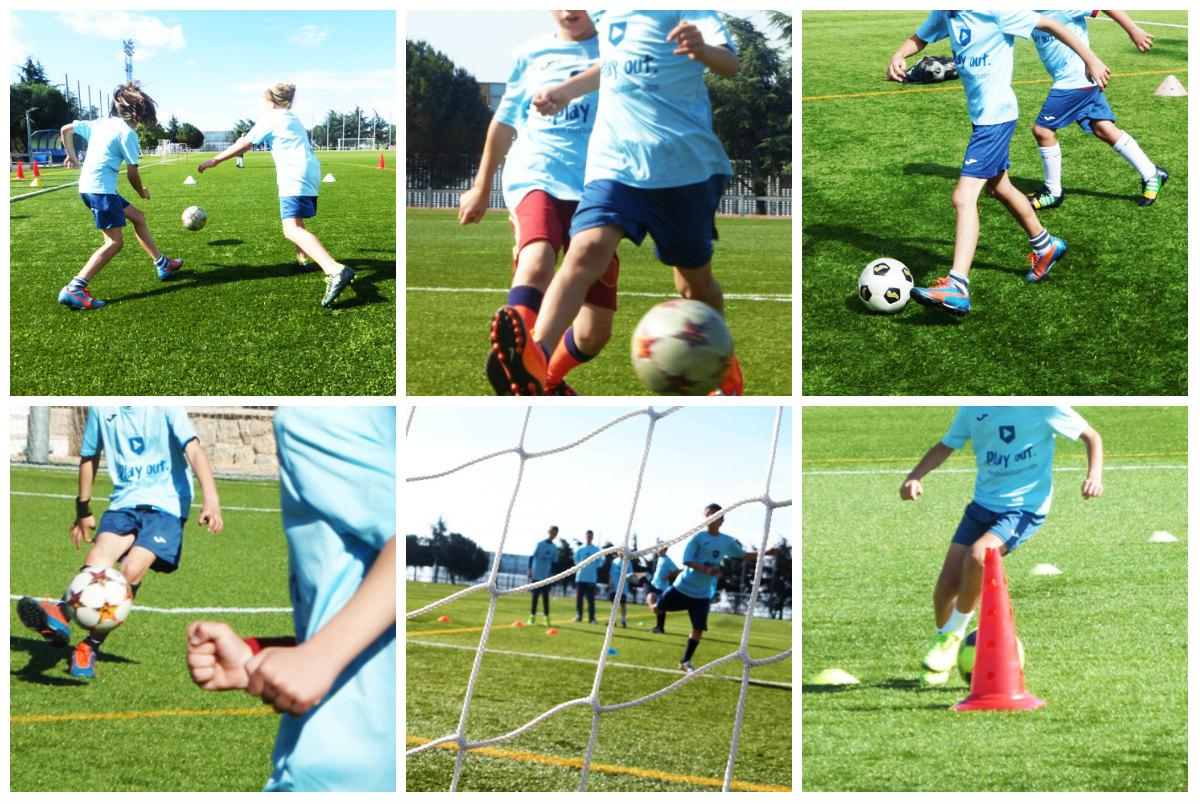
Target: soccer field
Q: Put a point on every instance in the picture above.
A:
(879, 164)
(141, 724)
(458, 276)
(241, 318)
(677, 742)
(1105, 641)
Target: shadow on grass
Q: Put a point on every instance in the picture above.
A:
(1026, 186)
(232, 241)
(45, 658)
(922, 317)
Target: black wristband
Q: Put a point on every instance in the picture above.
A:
(83, 508)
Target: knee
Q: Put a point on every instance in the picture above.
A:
(592, 338)
(695, 284)
(589, 256)
(1043, 135)
(536, 263)
(962, 200)
(974, 559)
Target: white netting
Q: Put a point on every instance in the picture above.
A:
(459, 737)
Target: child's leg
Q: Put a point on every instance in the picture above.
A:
(701, 285)
(136, 564)
(114, 241)
(142, 231)
(590, 331)
(535, 265)
(971, 578)
(1051, 154)
(1001, 188)
(306, 241)
(966, 234)
(587, 259)
(107, 548)
(1126, 146)
(945, 591)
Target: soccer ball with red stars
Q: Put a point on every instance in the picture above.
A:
(682, 347)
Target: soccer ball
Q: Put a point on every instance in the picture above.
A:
(884, 285)
(937, 70)
(682, 347)
(99, 599)
(966, 656)
(194, 218)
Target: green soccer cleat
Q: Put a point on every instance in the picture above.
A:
(932, 679)
(1044, 199)
(1151, 187)
(943, 653)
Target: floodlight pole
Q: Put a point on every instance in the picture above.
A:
(127, 45)
(29, 131)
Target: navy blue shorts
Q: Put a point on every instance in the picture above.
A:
(612, 593)
(987, 151)
(154, 529)
(682, 220)
(1013, 527)
(1083, 106)
(297, 206)
(697, 607)
(107, 208)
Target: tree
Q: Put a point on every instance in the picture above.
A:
(149, 136)
(240, 128)
(417, 552)
(446, 116)
(53, 110)
(189, 135)
(32, 72)
(461, 557)
(172, 129)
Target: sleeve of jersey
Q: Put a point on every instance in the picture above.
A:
(181, 426)
(933, 28)
(711, 28)
(130, 148)
(734, 549)
(83, 128)
(90, 446)
(1066, 422)
(514, 106)
(1018, 23)
(958, 434)
(259, 132)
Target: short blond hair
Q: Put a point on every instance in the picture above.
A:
(281, 95)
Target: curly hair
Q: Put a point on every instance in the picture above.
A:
(281, 95)
(133, 105)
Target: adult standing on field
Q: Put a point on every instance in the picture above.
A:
(541, 567)
(585, 579)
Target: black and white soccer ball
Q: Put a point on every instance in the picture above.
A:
(884, 285)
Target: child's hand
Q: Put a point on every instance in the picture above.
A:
(1092, 487)
(70, 163)
(81, 531)
(688, 40)
(472, 205)
(210, 515)
(897, 69)
(911, 489)
(549, 102)
(205, 165)
(1098, 72)
(290, 679)
(144, 193)
(217, 657)
(1141, 40)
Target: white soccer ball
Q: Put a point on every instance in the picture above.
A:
(884, 285)
(682, 347)
(99, 599)
(194, 218)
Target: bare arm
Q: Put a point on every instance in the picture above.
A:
(1093, 484)
(210, 510)
(67, 133)
(81, 530)
(1095, 68)
(242, 145)
(1141, 40)
(897, 67)
(555, 99)
(911, 488)
(473, 203)
(135, 181)
(690, 42)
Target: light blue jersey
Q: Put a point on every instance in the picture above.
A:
(982, 42)
(663, 569)
(1014, 452)
(337, 479)
(590, 573)
(615, 570)
(550, 152)
(144, 448)
(709, 550)
(1064, 64)
(110, 142)
(541, 563)
(297, 171)
(654, 128)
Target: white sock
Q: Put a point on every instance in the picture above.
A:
(957, 622)
(1052, 167)
(1127, 147)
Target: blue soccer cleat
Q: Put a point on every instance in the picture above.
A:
(172, 266)
(943, 295)
(1039, 267)
(334, 285)
(81, 299)
(83, 661)
(45, 617)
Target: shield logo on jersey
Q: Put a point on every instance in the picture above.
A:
(1007, 433)
(964, 37)
(616, 32)
(137, 444)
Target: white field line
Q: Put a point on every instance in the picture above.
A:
(201, 610)
(550, 657)
(1138, 22)
(775, 297)
(966, 471)
(197, 507)
(70, 184)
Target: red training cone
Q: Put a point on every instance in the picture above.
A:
(443, 619)
(20, 170)
(997, 682)
(36, 172)
(380, 165)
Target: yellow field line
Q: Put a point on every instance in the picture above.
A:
(1108, 456)
(253, 710)
(458, 630)
(372, 167)
(641, 773)
(949, 87)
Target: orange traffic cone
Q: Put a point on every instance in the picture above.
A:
(380, 165)
(36, 172)
(997, 682)
(20, 170)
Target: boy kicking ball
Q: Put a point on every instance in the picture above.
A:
(110, 142)
(1075, 98)
(298, 174)
(982, 42)
(1014, 458)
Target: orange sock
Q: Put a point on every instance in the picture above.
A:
(566, 356)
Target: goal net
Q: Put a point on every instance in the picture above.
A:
(356, 144)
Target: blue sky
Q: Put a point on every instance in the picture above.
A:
(700, 454)
(481, 41)
(209, 68)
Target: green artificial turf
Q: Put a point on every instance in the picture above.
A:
(527, 671)
(1105, 641)
(457, 276)
(241, 318)
(879, 164)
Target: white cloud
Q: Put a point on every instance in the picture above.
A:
(309, 36)
(318, 91)
(149, 34)
(18, 51)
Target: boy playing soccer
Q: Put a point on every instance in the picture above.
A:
(1075, 98)
(585, 580)
(664, 572)
(653, 166)
(298, 175)
(334, 682)
(149, 451)
(1014, 459)
(982, 42)
(541, 566)
(543, 179)
(110, 142)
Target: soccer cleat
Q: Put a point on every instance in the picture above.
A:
(623, 624)
(562, 389)
(1039, 267)
(657, 630)
(943, 295)
(334, 285)
(546, 618)
(592, 622)
(731, 383)
(932, 679)
(1044, 199)
(83, 661)
(686, 666)
(172, 266)
(522, 362)
(943, 652)
(576, 619)
(81, 299)
(45, 617)
(1151, 187)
